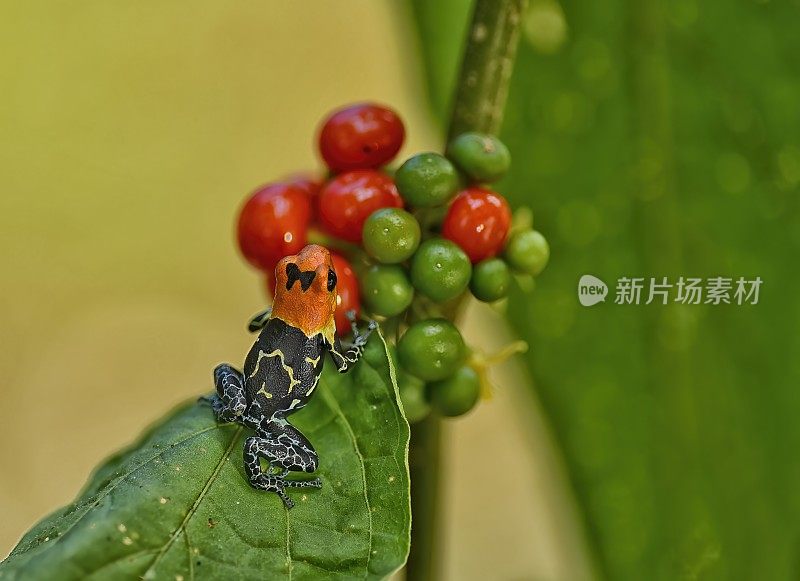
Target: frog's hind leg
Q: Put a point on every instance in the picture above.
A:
(272, 484)
(230, 403)
(285, 449)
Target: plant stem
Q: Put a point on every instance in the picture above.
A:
(488, 61)
(424, 458)
(480, 98)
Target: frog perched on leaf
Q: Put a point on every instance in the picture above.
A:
(282, 370)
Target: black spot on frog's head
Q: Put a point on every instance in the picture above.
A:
(294, 274)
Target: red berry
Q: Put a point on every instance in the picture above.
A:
(309, 182)
(347, 200)
(273, 224)
(478, 221)
(348, 298)
(269, 283)
(360, 136)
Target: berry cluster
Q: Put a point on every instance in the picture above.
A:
(407, 244)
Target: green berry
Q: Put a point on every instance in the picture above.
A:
(427, 179)
(386, 290)
(440, 269)
(391, 235)
(527, 252)
(374, 352)
(490, 280)
(431, 349)
(483, 158)
(412, 394)
(457, 394)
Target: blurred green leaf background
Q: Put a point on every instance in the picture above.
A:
(654, 139)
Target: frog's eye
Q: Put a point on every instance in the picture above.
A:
(331, 280)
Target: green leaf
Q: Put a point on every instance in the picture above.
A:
(177, 504)
(661, 139)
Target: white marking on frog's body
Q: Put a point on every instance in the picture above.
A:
(279, 354)
(294, 404)
(263, 390)
(313, 362)
(261, 355)
(314, 386)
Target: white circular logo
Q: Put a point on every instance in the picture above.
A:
(591, 290)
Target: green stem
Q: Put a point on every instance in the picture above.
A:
(480, 98)
(482, 86)
(423, 461)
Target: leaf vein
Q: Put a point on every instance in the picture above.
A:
(189, 554)
(127, 557)
(290, 565)
(338, 410)
(105, 492)
(197, 502)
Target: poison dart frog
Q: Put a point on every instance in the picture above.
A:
(282, 370)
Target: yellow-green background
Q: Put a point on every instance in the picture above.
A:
(129, 134)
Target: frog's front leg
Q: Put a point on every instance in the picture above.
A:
(358, 336)
(230, 403)
(285, 449)
(259, 321)
(346, 358)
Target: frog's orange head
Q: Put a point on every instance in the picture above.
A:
(305, 291)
